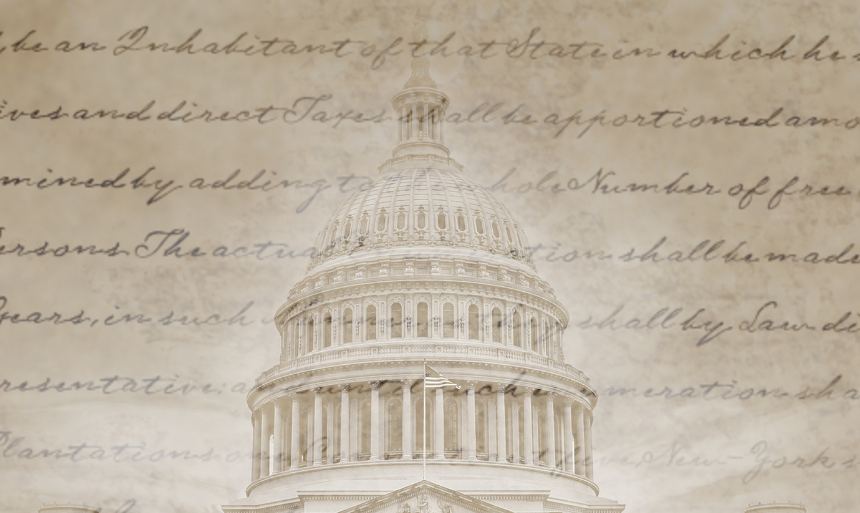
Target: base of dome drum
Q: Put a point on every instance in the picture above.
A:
(487, 486)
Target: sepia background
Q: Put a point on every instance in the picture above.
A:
(762, 408)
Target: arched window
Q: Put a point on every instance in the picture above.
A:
(309, 336)
(324, 441)
(333, 237)
(534, 335)
(545, 338)
(474, 321)
(442, 221)
(518, 328)
(448, 320)
(497, 325)
(347, 326)
(452, 429)
(418, 426)
(346, 229)
(422, 327)
(362, 226)
(461, 222)
(481, 429)
(508, 233)
(496, 233)
(541, 439)
(370, 320)
(364, 431)
(327, 328)
(479, 225)
(381, 221)
(401, 220)
(421, 219)
(396, 320)
(394, 444)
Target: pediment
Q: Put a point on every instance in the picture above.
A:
(425, 497)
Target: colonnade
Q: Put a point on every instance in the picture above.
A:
(379, 421)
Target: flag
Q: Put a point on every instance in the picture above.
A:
(432, 379)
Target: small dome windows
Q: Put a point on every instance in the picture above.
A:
(381, 221)
(421, 219)
(496, 233)
(401, 219)
(362, 226)
(461, 221)
(346, 229)
(479, 225)
(441, 220)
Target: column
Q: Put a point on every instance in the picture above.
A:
(318, 427)
(536, 439)
(424, 122)
(441, 124)
(550, 431)
(471, 433)
(374, 420)
(528, 444)
(279, 438)
(329, 446)
(568, 436)
(589, 462)
(265, 434)
(439, 440)
(404, 129)
(515, 431)
(295, 436)
(406, 435)
(255, 460)
(500, 422)
(414, 124)
(344, 423)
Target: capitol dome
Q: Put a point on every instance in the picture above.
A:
(421, 366)
(421, 202)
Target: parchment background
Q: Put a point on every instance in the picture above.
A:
(624, 427)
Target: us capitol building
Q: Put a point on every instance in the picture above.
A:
(422, 270)
(422, 265)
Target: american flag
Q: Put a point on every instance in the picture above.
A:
(432, 379)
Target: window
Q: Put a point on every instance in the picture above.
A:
(422, 328)
(518, 330)
(327, 328)
(421, 220)
(448, 320)
(418, 426)
(381, 221)
(401, 220)
(546, 338)
(370, 328)
(396, 320)
(333, 236)
(347, 326)
(474, 329)
(309, 338)
(497, 325)
(452, 428)
(479, 225)
(508, 233)
(481, 429)
(534, 335)
(442, 221)
(461, 222)
(364, 431)
(346, 229)
(395, 426)
(362, 226)
(495, 229)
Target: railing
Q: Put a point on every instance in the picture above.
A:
(343, 354)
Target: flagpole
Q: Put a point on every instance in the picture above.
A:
(424, 424)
